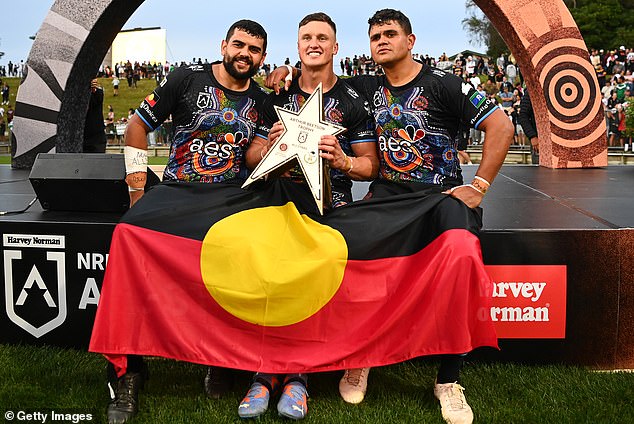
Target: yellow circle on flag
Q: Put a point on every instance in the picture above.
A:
(272, 266)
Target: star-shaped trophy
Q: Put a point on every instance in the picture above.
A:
(299, 142)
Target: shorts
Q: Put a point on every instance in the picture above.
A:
(519, 129)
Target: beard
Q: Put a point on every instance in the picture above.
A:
(229, 63)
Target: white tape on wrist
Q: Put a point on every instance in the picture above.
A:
(135, 160)
(289, 77)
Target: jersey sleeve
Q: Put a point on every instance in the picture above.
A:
(360, 126)
(161, 102)
(268, 117)
(364, 84)
(463, 100)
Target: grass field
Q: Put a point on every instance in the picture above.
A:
(45, 378)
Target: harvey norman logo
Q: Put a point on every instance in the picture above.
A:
(42, 241)
(529, 301)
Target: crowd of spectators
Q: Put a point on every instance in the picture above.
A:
(498, 79)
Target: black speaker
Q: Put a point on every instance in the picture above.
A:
(82, 182)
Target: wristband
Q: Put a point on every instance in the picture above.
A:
(135, 160)
(351, 164)
(473, 186)
(480, 184)
(133, 189)
(289, 77)
(477, 177)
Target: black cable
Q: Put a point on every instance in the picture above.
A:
(2, 213)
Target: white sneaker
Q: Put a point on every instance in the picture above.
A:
(454, 406)
(354, 384)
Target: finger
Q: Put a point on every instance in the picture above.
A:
(287, 84)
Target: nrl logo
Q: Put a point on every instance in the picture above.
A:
(203, 100)
(34, 285)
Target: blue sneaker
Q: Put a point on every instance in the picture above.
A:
(255, 403)
(292, 403)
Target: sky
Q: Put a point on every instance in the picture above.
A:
(196, 28)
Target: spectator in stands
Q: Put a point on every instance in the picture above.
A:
(526, 118)
(110, 118)
(506, 98)
(115, 86)
(5, 94)
(94, 128)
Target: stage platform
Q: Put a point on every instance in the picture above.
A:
(580, 219)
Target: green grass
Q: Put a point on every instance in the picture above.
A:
(45, 378)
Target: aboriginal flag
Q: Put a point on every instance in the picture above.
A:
(217, 275)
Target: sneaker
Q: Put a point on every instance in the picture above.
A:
(255, 403)
(218, 381)
(454, 406)
(354, 384)
(292, 403)
(125, 399)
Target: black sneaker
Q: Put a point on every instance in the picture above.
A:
(218, 381)
(125, 402)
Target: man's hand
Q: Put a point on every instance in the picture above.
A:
(279, 75)
(135, 196)
(330, 149)
(535, 144)
(467, 194)
(276, 131)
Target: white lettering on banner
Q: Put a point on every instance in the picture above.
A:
(90, 295)
(92, 261)
(33, 240)
(532, 291)
(526, 314)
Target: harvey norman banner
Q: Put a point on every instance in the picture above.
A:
(529, 301)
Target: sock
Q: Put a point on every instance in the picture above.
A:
(270, 381)
(449, 371)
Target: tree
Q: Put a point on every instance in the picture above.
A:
(482, 30)
(604, 24)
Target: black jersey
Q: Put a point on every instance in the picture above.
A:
(417, 124)
(343, 106)
(213, 126)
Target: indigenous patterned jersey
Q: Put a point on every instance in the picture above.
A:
(342, 106)
(213, 126)
(417, 124)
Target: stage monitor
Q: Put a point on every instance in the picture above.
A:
(82, 182)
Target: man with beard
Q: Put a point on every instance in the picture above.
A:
(214, 110)
(433, 105)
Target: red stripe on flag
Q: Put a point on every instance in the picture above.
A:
(387, 310)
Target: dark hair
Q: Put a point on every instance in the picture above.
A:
(384, 16)
(318, 17)
(250, 27)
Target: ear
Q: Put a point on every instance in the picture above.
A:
(335, 49)
(411, 40)
(223, 47)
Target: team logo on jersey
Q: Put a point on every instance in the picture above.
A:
(477, 99)
(23, 277)
(203, 100)
(152, 99)
(352, 93)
